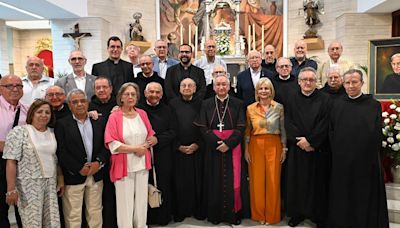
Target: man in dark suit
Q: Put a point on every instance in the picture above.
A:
(247, 79)
(184, 69)
(116, 69)
(161, 62)
(81, 155)
(78, 79)
(270, 58)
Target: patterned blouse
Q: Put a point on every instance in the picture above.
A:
(19, 147)
(261, 122)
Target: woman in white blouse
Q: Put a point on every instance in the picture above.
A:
(129, 136)
(31, 171)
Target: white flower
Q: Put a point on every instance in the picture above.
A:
(387, 127)
(396, 147)
(398, 109)
(396, 127)
(386, 121)
(384, 144)
(390, 140)
(393, 116)
(384, 131)
(398, 137)
(385, 114)
(393, 106)
(390, 133)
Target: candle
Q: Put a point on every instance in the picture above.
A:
(254, 37)
(248, 40)
(181, 30)
(196, 38)
(190, 34)
(262, 40)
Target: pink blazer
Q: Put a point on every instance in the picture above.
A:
(113, 132)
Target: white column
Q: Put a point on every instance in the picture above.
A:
(4, 69)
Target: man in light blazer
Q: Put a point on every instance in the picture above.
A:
(78, 79)
(114, 68)
(160, 62)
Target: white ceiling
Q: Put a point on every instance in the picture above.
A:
(378, 6)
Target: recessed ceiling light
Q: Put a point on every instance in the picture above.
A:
(21, 10)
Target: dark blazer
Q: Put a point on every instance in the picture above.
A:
(245, 88)
(105, 69)
(68, 84)
(175, 74)
(71, 152)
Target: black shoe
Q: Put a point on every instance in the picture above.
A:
(295, 221)
(321, 225)
(214, 222)
(178, 219)
(237, 221)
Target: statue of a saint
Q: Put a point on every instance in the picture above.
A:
(135, 29)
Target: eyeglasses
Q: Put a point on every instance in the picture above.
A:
(12, 86)
(219, 73)
(211, 46)
(54, 94)
(269, 52)
(129, 94)
(333, 78)
(74, 59)
(310, 80)
(284, 66)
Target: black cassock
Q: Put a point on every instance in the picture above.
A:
(307, 172)
(391, 84)
(357, 189)
(163, 122)
(218, 193)
(188, 168)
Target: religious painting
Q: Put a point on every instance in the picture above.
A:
(186, 21)
(380, 53)
(44, 51)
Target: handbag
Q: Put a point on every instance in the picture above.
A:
(154, 194)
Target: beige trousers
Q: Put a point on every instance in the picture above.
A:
(73, 197)
(131, 196)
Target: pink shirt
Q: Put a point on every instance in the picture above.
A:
(7, 116)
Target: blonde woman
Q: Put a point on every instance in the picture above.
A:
(265, 151)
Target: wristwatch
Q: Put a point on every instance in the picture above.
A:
(100, 162)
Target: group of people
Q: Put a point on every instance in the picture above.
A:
(288, 140)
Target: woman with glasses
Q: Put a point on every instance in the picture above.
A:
(129, 136)
(265, 151)
(31, 171)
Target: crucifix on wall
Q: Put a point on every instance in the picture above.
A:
(77, 36)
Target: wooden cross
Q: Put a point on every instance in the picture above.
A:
(220, 126)
(77, 36)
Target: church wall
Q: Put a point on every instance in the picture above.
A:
(25, 42)
(93, 47)
(3, 49)
(340, 22)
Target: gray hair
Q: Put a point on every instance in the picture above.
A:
(333, 70)
(55, 86)
(310, 69)
(352, 71)
(397, 55)
(280, 59)
(122, 90)
(153, 83)
(75, 91)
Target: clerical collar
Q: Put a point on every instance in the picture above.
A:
(307, 94)
(355, 97)
(284, 79)
(152, 105)
(148, 76)
(115, 61)
(60, 108)
(186, 67)
(222, 99)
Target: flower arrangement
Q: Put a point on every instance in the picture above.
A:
(223, 44)
(391, 133)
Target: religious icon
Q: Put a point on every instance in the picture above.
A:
(135, 30)
(77, 36)
(311, 10)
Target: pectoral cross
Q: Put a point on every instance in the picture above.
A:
(220, 126)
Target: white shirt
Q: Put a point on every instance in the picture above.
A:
(32, 92)
(134, 132)
(80, 81)
(255, 76)
(208, 67)
(163, 68)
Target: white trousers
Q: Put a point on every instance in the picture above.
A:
(131, 195)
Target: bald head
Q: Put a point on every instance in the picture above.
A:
(300, 50)
(335, 50)
(270, 54)
(153, 93)
(11, 88)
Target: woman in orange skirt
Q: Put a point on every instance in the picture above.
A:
(265, 151)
